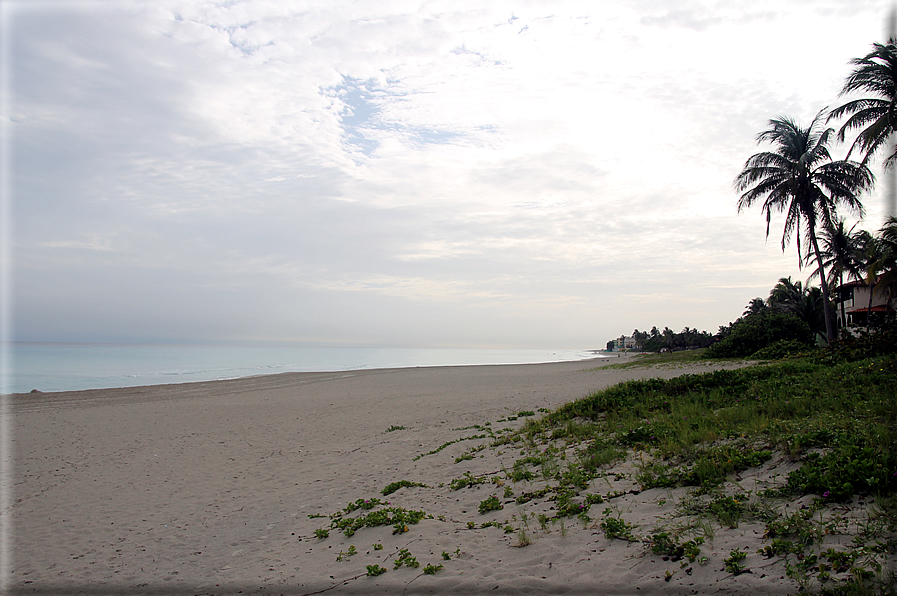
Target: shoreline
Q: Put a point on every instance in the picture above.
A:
(78, 374)
(290, 377)
(217, 487)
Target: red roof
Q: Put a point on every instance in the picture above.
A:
(880, 308)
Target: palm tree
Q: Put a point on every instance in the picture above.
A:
(804, 302)
(841, 252)
(873, 261)
(886, 265)
(800, 178)
(755, 306)
(811, 309)
(786, 294)
(888, 232)
(875, 73)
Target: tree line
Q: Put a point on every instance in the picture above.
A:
(799, 178)
(656, 340)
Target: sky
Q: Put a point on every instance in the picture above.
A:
(400, 173)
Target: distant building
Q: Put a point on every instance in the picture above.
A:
(855, 298)
(625, 344)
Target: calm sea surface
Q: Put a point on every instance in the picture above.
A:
(69, 367)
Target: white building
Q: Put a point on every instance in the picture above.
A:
(855, 298)
(625, 344)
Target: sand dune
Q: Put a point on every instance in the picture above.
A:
(208, 488)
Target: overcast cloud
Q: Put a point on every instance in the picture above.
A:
(529, 174)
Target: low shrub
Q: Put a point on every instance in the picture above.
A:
(757, 331)
(847, 469)
(780, 349)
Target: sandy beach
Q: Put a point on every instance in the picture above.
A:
(208, 488)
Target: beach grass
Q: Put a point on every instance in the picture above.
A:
(731, 418)
(680, 358)
(837, 419)
(833, 421)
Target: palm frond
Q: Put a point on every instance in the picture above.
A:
(876, 74)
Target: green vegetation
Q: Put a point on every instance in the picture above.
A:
(734, 562)
(614, 527)
(875, 74)
(397, 517)
(687, 339)
(665, 544)
(447, 443)
(759, 331)
(431, 569)
(490, 504)
(670, 359)
(799, 177)
(794, 318)
(465, 481)
(362, 504)
(405, 558)
(707, 427)
(834, 412)
(394, 486)
(469, 454)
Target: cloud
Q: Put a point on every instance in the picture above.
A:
(536, 175)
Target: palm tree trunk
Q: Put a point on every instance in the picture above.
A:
(826, 306)
(841, 302)
(869, 310)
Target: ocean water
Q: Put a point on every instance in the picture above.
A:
(72, 367)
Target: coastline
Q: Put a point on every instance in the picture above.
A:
(208, 487)
(58, 367)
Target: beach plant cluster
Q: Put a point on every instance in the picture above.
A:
(447, 444)
(798, 540)
(833, 415)
(700, 429)
(405, 558)
(734, 563)
(397, 517)
(377, 515)
(395, 486)
(490, 504)
(469, 454)
(615, 527)
(666, 545)
(466, 480)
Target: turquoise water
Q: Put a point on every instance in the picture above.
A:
(71, 367)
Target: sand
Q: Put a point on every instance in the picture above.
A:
(207, 488)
